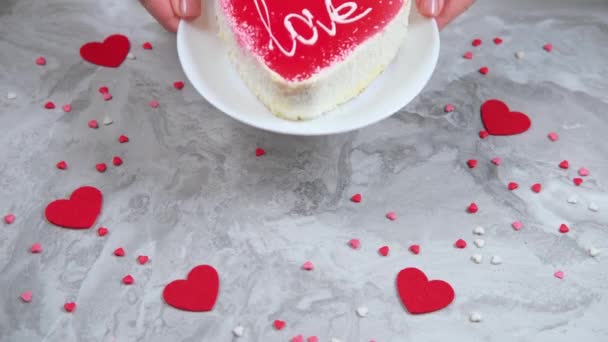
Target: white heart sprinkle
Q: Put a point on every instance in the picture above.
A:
(573, 199)
(479, 230)
(477, 258)
(479, 243)
(107, 120)
(496, 260)
(11, 95)
(520, 54)
(130, 56)
(238, 331)
(594, 252)
(362, 311)
(593, 207)
(475, 317)
(333, 339)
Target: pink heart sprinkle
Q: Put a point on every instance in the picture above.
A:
(559, 274)
(468, 55)
(517, 225)
(497, 41)
(476, 42)
(10, 218)
(36, 248)
(41, 60)
(102, 231)
(119, 252)
(49, 105)
(484, 70)
(308, 266)
(548, 47)
(354, 243)
(583, 172)
(563, 228)
(147, 46)
(472, 209)
(449, 108)
(179, 85)
(536, 187)
(93, 124)
(142, 259)
(154, 104)
(123, 139)
(483, 134)
(298, 338)
(69, 307)
(460, 243)
(67, 108)
(101, 167)
(553, 136)
(577, 181)
(117, 161)
(312, 339)
(512, 186)
(415, 249)
(391, 216)
(383, 250)
(62, 165)
(128, 279)
(259, 152)
(26, 296)
(472, 163)
(103, 90)
(356, 198)
(107, 96)
(496, 161)
(564, 165)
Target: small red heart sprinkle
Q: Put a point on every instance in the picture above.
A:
(312, 339)
(41, 60)
(391, 216)
(154, 104)
(415, 249)
(563, 229)
(107, 96)
(496, 161)
(517, 225)
(62, 165)
(583, 172)
(128, 279)
(67, 108)
(308, 266)
(103, 90)
(484, 70)
(298, 338)
(278, 324)
(179, 85)
(259, 152)
(101, 167)
(123, 139)
(93, 124)
(49, 105)
(354, 243)
(512, 186)
(553, 136)
(10, 218)
(472, 163)
(449, 108)
(483, 134)
(497, 41)
(559, 274)
(536, 187)
(102, 231)
(548, 47)
(147, 46)
(69, 307)
(476, 42)
(472, 209)
(116, 161)
(36, 248)
(577, 181)
(26, 296)
(564, 164)
(468, 55)
(356, 198)
(383, 250)
(460, 243)
(142, 259)
(119, 252)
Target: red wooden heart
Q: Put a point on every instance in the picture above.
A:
(111, 53)
(419, 295)
(296, 39)
(78, 212)
(498, 120)
(197, 293)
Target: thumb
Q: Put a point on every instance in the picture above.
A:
(430, 8)
(187, 9)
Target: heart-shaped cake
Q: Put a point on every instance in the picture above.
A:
(302, 58)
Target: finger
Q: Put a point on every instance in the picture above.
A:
(430, 8)
(187, 9)
(162, 11)
(451, 10)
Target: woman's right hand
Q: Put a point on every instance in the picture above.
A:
(443, 11)
(169, 12)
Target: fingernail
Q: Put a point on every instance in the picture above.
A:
(430, 8)
(190, 8)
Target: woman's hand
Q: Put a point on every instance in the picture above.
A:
(443, 10)
(170, 12)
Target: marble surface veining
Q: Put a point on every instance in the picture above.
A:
(191, 190)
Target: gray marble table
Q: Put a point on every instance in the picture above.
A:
(191, 190)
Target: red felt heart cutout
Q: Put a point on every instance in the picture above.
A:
(111, 53)
(498, 120)
(197, 293)
(78, 212)
(419, 295)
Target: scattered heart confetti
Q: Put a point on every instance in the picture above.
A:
(415, 249)
(564, 164)
(103, 90)
(9, 218)
(476, 42)
(499, 120)
(468, 55)
(497, 41)
(356, 198)
(383, 250)
(520, 54)
(496, 260)
(67, 108)
(69, 307)
(78, 212)
(583, 172)
(419, 295)
(479, 243)
(475, 317)
(117, 161)
(11, 95)
(548, 47)
(512, 186)
(391, 216)
(101, 167)
(238, 331)
(36, 248)
(130, 56)
(517, 225)
(128, 279)
(471, 163)
(354, 243)
(259, 152)
(197, 293)
(107, 96)
(572, 199)
(593, 207)
(298, 338)
(460, 243)
(93, 124)
(154, 104)
(123, 139)
(41, 61)
(449, 108)
(577, 181)
(62, 165)
(49, 105)
(109, 53)
(496, 161)
(119, 252)
(102, 231)
(563, 228)
(107, 120)
(308, 266)
(553, 136)
(26, 296)
(479, 230)
(477, 258)
(179, 85)
(147, 46)
(362, 311)
(483, 134)
(472, 208)
(559, 274)
(142, 259)
(593, 252)
(484, 70)
(312, 339)
(536, 187)
(278, 324)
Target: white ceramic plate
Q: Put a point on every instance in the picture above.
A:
(207, 66)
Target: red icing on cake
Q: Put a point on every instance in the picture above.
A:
(298, 38)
